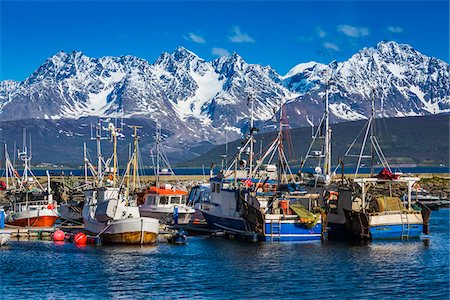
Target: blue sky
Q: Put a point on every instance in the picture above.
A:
(279, 34)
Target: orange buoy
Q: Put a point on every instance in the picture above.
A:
(59, 235)
(80, 238)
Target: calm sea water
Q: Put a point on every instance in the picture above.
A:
(224, 269)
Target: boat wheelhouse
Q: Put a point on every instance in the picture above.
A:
(167, 204)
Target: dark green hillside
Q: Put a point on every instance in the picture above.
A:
(410, 140)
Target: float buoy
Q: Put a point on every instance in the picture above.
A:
(80, 239)
(59, 235)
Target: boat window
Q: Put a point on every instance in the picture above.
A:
(175, 200)
(183, 199)
(163, 200)
(218, 188)
(205, 197)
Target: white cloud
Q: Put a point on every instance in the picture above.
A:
(331, 46)
(353, 31)
(240, 37)
(220, 51)
(395, 29)
(195, 38)
(320, 32)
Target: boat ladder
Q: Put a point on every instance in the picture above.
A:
(405, 226)
(275, 230)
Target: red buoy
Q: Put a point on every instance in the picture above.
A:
(59, 235)
(80, 238)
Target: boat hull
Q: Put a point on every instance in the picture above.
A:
(236, 225)
(183, 218)
(41, 221)
(379, 227)
(291, 231)
(130, 231)
(130, 238)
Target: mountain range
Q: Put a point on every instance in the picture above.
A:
(198, 101)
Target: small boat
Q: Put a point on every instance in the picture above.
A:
(164, 201)
(31, 204)
(110, 211)
(166, 204)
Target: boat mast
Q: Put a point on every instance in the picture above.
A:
(6, 167)
(327, 150)
(85, 163)
(372, 124)
(251, 134)
(114, 130)
(280, 146)
(98, 139)
(135, 157)
(158, 140)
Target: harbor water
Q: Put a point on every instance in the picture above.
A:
(225, 269)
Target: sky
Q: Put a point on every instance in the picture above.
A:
(279, 34)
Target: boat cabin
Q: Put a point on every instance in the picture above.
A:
(165, 196)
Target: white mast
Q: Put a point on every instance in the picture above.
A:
(6, 167)
(251, 134)
(85, 164)
(158, 140)
(327, 147)
(98, 139)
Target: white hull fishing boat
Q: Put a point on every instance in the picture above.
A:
(163, 201)
(31, 205)
(110, 212)
(261, 202)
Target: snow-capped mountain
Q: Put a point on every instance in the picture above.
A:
(197, 100)
(402, 81)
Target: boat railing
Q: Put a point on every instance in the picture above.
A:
(31, 204)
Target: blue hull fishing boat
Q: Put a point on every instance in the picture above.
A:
(366, 215)
(367, 208)
(261, 201)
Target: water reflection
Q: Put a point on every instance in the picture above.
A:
(217, 268)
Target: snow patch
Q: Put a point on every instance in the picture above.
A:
(343, 111)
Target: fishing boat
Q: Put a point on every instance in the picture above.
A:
(164, 201)
(362, 214)
(261, 202)
(110, 210)
(31, 204)
(367, 208)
